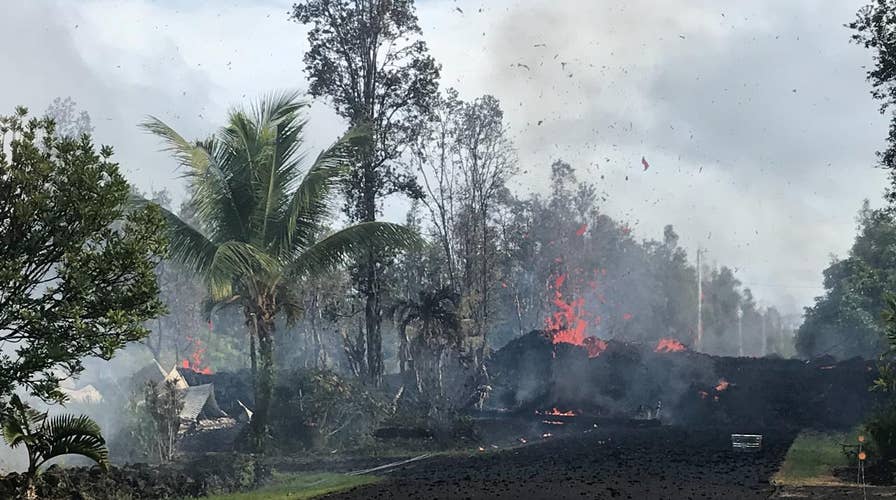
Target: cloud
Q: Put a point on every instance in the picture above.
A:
(754, 116)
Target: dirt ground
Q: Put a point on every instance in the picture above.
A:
(624, 463)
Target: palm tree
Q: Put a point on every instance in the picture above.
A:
(259, 220)
(46, 438)
(435, 323)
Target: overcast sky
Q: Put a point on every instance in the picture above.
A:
(754, 116)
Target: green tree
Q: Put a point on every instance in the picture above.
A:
(875, 29)
(367, 57)
(259, 219)
(845, 321)
(46, 437)
(431, 326)
(76, 267)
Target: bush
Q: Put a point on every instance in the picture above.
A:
(205, 475)
(151, 424)
(881, 426)
(315, 408)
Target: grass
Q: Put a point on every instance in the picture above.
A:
(299, 486)
(812, 457)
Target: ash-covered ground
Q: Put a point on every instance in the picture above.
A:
(580, 430)
(612, 462)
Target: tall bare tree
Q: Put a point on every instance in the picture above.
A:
(367, 58)
(465, 159)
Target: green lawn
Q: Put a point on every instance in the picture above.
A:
(300, 486)
(812, 457)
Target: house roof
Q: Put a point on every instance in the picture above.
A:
(179, 381)
(85, 395)
(199, 401)
(152, 372)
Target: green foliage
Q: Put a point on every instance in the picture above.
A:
(369, 60)
(315, 408)
(881, 426)
(47, 437)
(76, 268)
(150, 421)
(163, 403)
(846, 320)
(259, 220)
(875, 29)
(428, 328)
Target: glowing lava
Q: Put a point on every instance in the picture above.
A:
(557, 413)
(195, 361)
(568, 324)
(723, 384)
(669, 345)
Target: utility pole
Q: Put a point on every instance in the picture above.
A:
(699, 301)
(764, 337)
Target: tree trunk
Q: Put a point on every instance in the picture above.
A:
(374, 335)
(253, 363)
(264, 383)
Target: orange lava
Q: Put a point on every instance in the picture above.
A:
(557, 413)
(568, 324)
(669, 345)
(723, 384)
(195, 361)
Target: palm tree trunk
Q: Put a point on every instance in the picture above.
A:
(252, 323)
(264, 383)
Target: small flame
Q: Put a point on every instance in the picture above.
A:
(669, 345)
(582, 230)
(723, 384)
(557, 413)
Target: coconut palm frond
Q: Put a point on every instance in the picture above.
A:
(301, 214)
(206, 164)
(280, 127)
(351, 242)
(235, 261)
(189, 155)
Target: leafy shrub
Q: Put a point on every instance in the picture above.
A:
(881, 426)
(314, 408)
(151, 424)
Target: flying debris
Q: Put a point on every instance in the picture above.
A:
(459, 10)
(521, 65)
(644, 162)
(540, 45)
